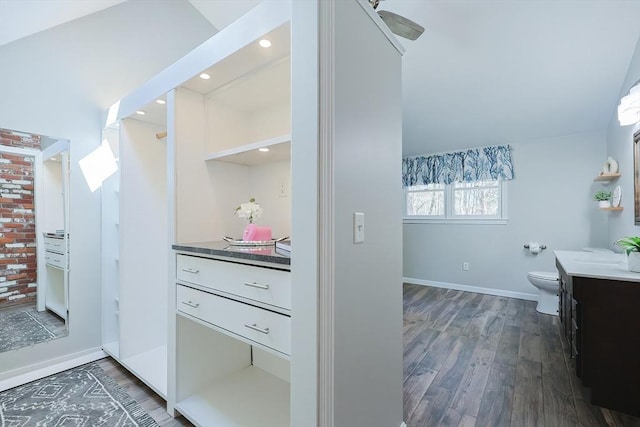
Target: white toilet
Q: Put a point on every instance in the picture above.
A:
(547, 284)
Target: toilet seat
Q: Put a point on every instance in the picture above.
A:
(544, 275)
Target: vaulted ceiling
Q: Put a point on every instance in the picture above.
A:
(484, 71)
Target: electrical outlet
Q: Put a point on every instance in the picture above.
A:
(358, 227)
(283, 190)
(465, 266)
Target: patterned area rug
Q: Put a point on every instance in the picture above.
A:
(25, 327)
(81, 397)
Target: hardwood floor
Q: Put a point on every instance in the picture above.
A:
(153, 404)
(469, 360)
(482, 360)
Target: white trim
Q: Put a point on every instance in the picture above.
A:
(20, 151)
(471, 288)
(326, 221)
(380, 24)
(440, 220)
(172, 346)
(40, 370)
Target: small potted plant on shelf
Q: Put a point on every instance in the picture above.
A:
(631, 246)
(603, 198)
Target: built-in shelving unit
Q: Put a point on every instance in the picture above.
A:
(606, 177)
(191, 341)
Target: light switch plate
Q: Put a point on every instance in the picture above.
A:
(358, 227)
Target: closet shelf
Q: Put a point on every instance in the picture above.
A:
(151, 367)
(606, 177)
(264, 397)
(249, 154)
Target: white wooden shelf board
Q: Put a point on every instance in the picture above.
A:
(57, 307)
(112, 349)
(151, 368)
(250, 397)
(249, 154)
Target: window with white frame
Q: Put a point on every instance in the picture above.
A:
(477, 200)
(467, 185)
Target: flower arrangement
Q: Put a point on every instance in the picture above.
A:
(602, 196)
(250, 210)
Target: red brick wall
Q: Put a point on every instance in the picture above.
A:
(18, 268)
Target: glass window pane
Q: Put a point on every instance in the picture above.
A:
(476, 184)
(425, 203)
(477, 201)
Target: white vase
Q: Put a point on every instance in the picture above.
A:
(633, 260)
(604, 203)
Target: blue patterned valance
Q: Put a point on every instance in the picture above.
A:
(475, 164)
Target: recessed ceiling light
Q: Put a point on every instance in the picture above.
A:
(264, 43)
(205, 76)
(141, 112)
(263, 149)
(161, 101)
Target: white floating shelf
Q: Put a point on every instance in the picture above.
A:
(249, 154)
(250, 397)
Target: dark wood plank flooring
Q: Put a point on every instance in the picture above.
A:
(483, 360)
(153, 404)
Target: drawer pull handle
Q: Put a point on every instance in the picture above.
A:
(191, 270)
(256, 285)
(257, 329)
(191, 304)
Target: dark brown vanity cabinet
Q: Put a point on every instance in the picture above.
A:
(601, 323)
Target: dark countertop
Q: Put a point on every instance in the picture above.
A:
(261, 254)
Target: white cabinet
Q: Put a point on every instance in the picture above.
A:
(249, 345)
(56, 273)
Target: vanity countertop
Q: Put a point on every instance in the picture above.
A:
(598, 265)
(258, 255)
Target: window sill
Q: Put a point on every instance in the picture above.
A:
(466, 221)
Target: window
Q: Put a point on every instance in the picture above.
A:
(477, 202)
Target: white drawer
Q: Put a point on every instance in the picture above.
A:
(265, 285)
(258, 325)
(55, 259)
(54, 245)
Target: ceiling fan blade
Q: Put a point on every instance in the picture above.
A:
(400, 25)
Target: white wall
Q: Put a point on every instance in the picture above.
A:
(58, 83)
(366, 161)
(620, 147)
(549, 201)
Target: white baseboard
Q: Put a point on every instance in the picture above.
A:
(36, 371)
(469, 288)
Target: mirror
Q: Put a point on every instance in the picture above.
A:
(636, 176)
(34, 239)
